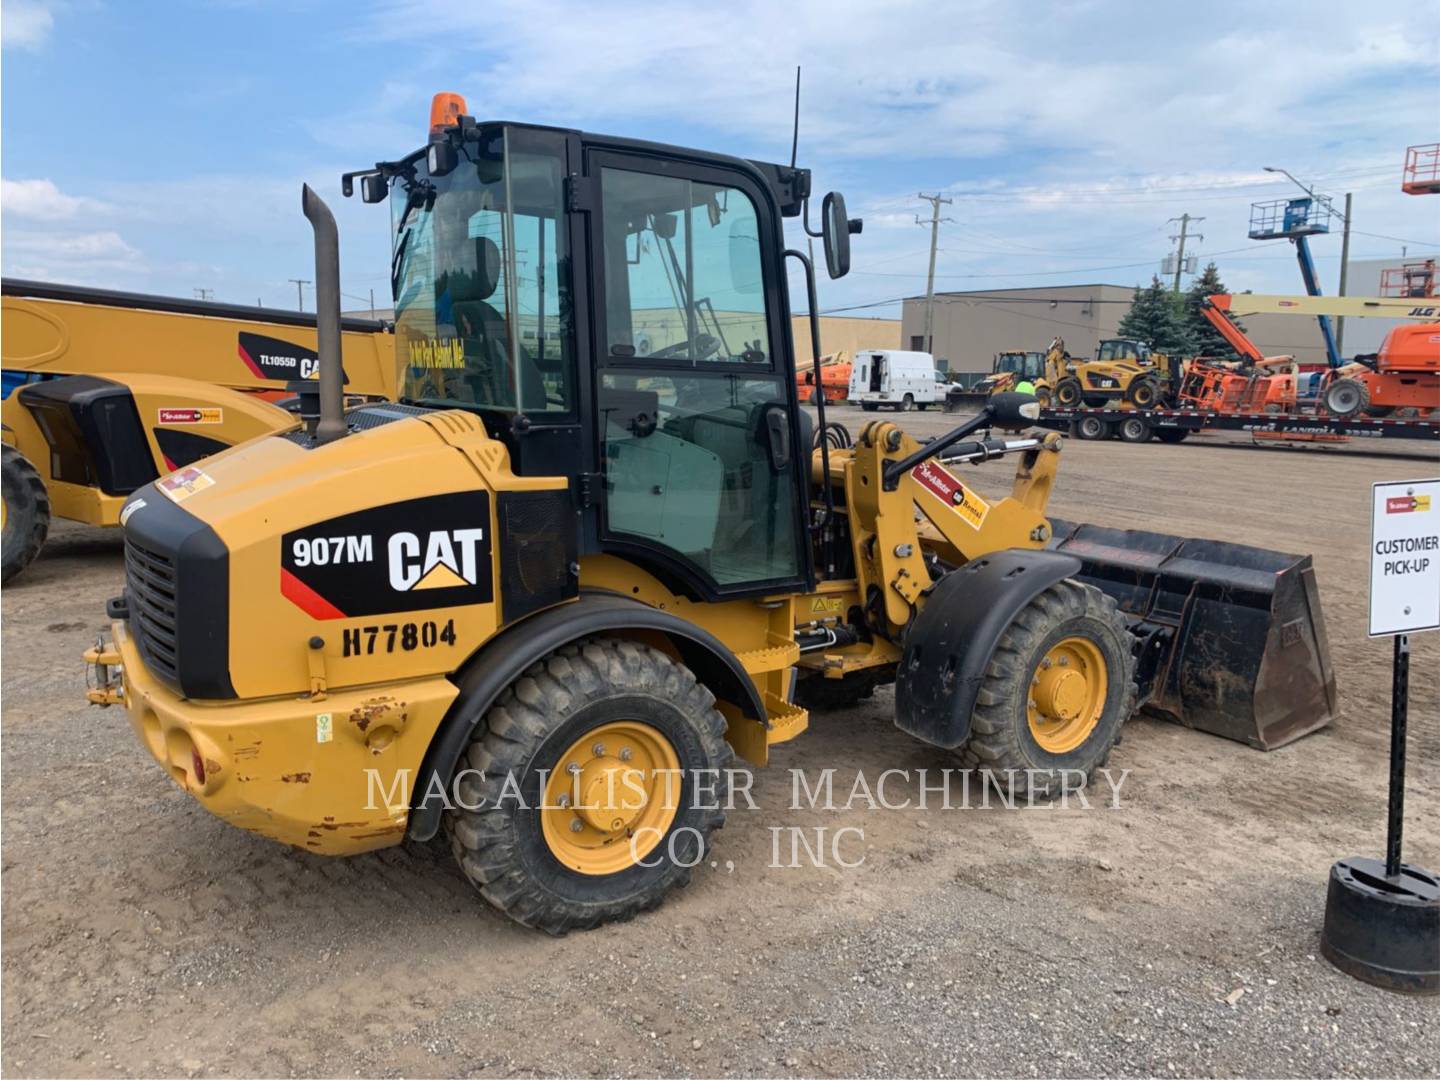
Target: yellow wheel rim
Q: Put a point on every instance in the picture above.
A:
(1067, 695)
(611, 798)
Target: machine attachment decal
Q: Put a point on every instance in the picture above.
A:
(179, 486)
(415, 555)
(945, 486)
(324, 727)
(275, 358)
(192, 416)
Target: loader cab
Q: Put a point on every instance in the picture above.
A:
(1123, 349)
(1023, 365)
(615, 312)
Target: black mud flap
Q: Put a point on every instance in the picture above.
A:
(1230, 638)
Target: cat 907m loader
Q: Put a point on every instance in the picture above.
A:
(541, 601)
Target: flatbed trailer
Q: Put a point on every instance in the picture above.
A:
(1173, 425)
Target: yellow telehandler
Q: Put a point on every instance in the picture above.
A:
(539, 604)
(105, 391)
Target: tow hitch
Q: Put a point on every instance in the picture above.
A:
(108, 685)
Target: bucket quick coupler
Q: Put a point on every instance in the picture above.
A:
(109, 687)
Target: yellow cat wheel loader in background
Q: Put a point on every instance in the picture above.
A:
(540, 603)
(105, 391)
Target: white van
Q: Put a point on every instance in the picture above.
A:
(901, 380)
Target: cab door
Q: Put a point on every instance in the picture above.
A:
(701, 448)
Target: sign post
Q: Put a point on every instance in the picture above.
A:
(1382, 919)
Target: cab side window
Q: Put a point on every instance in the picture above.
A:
(690, 286)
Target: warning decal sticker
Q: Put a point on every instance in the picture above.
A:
(179, 486)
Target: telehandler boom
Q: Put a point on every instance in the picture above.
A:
(541, 602)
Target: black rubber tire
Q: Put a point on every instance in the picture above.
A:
(1091, 429)
(1000, 736)
(819, 694)
(1347, 397)
(1133, 430)
(922, 405)
(27, 512)
(907, 403)
(500, 846)
(1042, 395)
(1068, 393)
(868, 406)
(1380, 411)
(1171, 435)
(1143, 393)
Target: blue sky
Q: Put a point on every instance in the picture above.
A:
(160, 147)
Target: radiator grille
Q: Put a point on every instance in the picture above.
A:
(150, 581)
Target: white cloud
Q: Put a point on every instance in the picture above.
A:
(107, 245)
(41, 200)
(25, 24)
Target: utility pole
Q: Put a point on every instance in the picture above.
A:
(1185, 220)
(204, 294)
(372, 302)
(300, 284)
(935, 202)
(1344, 273)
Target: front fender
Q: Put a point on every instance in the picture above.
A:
(951, 641)
(506, 656)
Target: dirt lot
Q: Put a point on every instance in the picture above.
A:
(141, 936)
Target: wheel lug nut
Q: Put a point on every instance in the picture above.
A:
(626, 754)
(598, 749)
(1045, 663)
(563, 801)
(1064, 661)
(573, 769)
(576, 826)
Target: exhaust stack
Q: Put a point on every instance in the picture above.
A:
(327, 316)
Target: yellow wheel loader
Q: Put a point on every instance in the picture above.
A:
(106, 391)
(541, 603)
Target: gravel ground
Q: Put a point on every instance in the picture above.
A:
(1176, 934)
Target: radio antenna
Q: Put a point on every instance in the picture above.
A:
(795, 135)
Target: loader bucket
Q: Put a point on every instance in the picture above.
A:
(1230, 638)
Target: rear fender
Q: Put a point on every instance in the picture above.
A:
(506, 656)
(951, 641)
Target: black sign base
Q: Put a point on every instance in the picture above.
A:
(1384, 930)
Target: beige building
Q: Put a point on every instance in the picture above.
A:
(661, 327)
(840, 333)
(971, 327)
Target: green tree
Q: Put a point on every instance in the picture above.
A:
(1206, 340)
(1156, 316)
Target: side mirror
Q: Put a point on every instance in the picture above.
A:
(373, 188)
(835, 227)
(1013, 411)
(441, 158)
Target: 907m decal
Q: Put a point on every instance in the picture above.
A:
(407, 556)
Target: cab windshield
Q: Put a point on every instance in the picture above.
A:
(480, 278)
